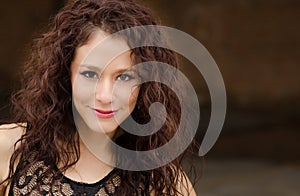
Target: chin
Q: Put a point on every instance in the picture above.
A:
(104, 127)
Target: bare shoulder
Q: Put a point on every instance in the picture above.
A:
(9, 135)
(185, 186)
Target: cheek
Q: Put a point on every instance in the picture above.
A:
(82, 91)
(126, 98)
(133, 97)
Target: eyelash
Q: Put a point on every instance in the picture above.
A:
(88, 74)
(129, 77)
(93, 75)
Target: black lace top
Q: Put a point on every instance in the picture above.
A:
(29, 185)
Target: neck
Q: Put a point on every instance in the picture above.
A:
(95, 143)
(96, 156)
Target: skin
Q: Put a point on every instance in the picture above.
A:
(95, 86)
(98, 86)
(9, 134)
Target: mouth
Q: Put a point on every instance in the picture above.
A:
(105, 114)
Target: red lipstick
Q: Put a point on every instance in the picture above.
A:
(104, 113)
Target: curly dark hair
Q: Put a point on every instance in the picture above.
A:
(44, 99)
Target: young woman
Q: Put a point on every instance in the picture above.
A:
(65, 93)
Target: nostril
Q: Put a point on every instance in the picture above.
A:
(103, 96)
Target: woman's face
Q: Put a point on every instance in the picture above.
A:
(104, 94)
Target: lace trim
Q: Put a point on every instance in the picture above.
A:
(27, 184)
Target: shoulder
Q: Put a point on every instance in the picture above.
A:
(9, 135)
(184, 185)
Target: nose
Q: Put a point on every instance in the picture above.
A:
(104, 91)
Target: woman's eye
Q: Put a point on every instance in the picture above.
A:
(124, 77)
(89, 74)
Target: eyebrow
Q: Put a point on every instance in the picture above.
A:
(95, 68)
(92, 67)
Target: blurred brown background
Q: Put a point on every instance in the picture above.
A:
(257, 47)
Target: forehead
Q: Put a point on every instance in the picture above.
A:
(102, 49)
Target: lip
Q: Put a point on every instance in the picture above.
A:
(105, 114)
